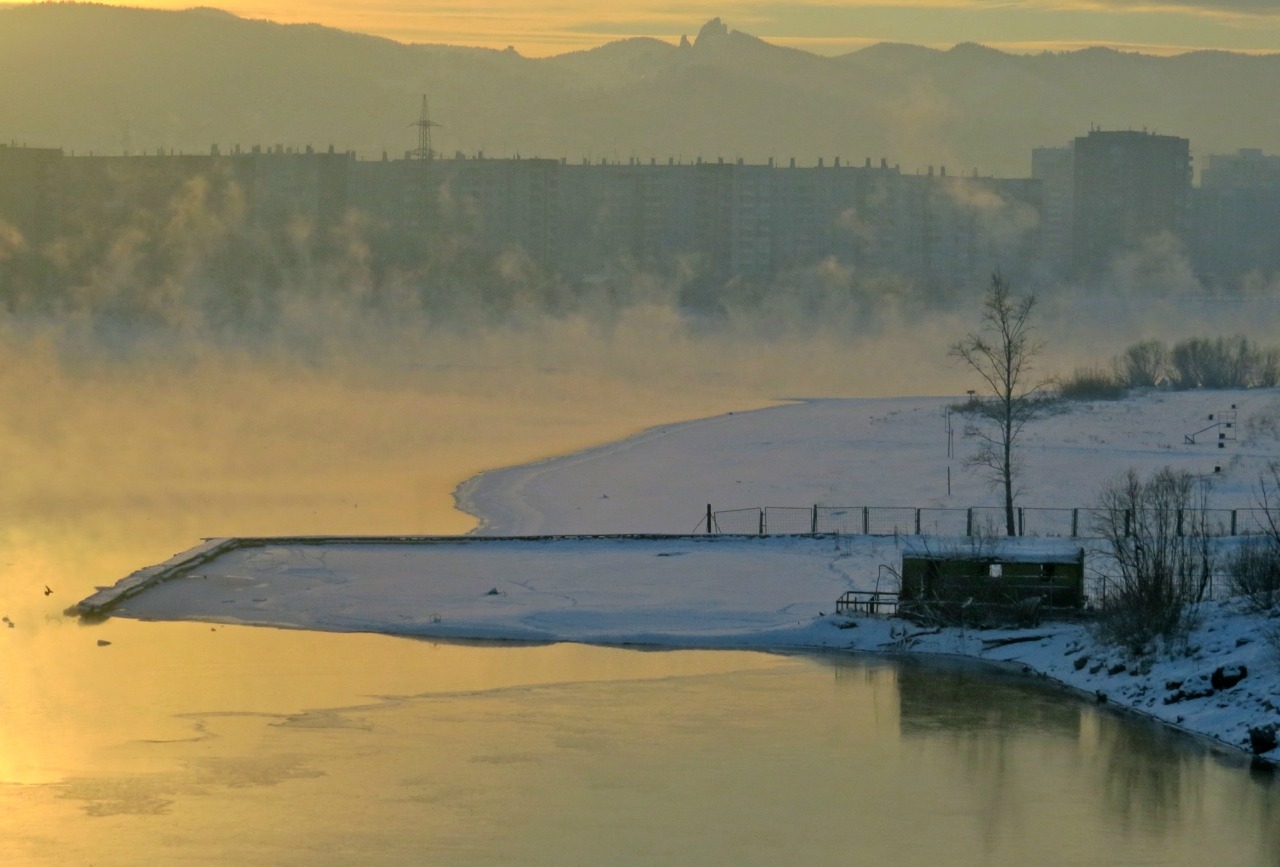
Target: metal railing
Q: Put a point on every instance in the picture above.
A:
(972, 521)
(871, 602)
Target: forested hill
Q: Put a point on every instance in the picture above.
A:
(97, 77)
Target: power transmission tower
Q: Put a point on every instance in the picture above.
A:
(424, 124)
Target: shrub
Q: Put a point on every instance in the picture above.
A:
(1199, 362)
(1267, 369)
(1254, 573)
(1254, 569)
(1143, 365)
(1204, 363)
(1092, 383)
(1160, 550)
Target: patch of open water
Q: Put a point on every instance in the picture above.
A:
(569, 754)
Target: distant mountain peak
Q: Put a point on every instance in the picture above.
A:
(973, 48)
(711, 32)
(211, 11)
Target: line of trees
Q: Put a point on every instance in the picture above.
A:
(1197, 362)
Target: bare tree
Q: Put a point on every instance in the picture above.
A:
(1160, 545)
(1001, 351)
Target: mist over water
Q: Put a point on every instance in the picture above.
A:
(193, 279)
(184, 358)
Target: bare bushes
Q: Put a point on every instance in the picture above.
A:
(1092, 383)
(1253, 571)
(1254, 568)
(1199, 362)
(1161, 557)
(1222, 363)
(1143, 365)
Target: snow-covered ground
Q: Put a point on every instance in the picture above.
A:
(867, 452)
(771, 592)
(707, 589)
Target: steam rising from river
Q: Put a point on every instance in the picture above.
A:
(260, 381)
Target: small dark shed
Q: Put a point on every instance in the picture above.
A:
(1002, 575)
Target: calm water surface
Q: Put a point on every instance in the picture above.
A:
(567, 754)
(188, 743)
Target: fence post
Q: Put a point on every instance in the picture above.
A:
(1233, 522)
(813, 522)
(1128, 513)
(917, 522)
(866, 521)
(968, 522)
(762, 522)
(1179, 522)
(1022, 521)
(1075, 523)
(708, 519)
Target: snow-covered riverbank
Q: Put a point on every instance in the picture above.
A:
(892, 452)
(869, 452)
(770, 592)
(1224, 682)
(715, 592)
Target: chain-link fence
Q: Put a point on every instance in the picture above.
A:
(739, 521)
(974, 521)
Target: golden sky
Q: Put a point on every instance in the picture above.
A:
(544, 28)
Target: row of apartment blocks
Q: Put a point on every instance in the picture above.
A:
(1085, 203)
(714, 220)
(1108, 193)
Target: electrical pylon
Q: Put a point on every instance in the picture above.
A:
(424, 124)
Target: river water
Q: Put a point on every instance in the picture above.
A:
(199, 743)
(577, 755)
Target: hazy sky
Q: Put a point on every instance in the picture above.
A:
(538, 28)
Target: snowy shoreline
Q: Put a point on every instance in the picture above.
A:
(772, 593)
(658, 589)
(891, 446)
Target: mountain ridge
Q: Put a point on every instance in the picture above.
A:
(95, 77)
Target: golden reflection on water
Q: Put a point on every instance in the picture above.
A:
(583, 756)
(181, 742)
(111, 467)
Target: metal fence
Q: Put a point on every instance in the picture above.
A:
(974, 521)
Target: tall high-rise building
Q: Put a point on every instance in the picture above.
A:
(1128, 186)
(1235, 218)
(1247, 168)
(1055, 169)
